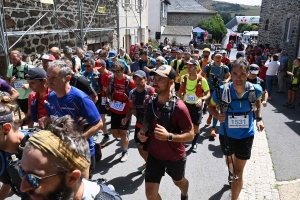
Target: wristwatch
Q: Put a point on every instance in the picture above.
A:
(170, 137)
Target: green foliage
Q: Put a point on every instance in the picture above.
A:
(226, 17)
(223, 6)
(154, 43)
(247, 27)
(215, 26)
(174, 41)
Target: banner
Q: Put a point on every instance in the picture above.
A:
(47, 1)
(101, 9)
(247, 19)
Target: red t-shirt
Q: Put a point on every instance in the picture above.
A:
(262, 72)
(119, 94)
(225, 60)
(229, 46)
(41, 107)
(165, 150)
(104, 83)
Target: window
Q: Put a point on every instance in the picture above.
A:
(267, 25)
(126, 3)
(287, 30)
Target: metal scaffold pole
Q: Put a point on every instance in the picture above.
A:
(81, 23)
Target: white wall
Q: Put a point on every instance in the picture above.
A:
(184, 39)
(154, 17)
(133, 24)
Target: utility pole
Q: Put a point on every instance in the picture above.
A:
(81, 23)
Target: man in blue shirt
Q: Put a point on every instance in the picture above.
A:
(68, 100)
(146, 63)
(135, 64)
(282, 72)
(91, 74)
(113, 57)
(238, 121)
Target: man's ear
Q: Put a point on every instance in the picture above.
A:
(73, 177)
(6, 128)
(68, 78)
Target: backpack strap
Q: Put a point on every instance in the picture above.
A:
(252, 96)
(141, 64)
(180, 67)
(225, 98)
(127, 85)
(107, 193)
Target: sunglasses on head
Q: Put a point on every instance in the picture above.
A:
(116, 71)
(32, 179)
(253, 68)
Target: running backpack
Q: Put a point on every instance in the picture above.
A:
(16, 71)
(112, 86)
(149, 64)
(199, 90)
(209, 69)
(226, 98)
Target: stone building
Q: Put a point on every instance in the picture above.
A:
(280, 25)
(101, 24)
(187, 13)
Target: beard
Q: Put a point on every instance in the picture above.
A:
(61, 192)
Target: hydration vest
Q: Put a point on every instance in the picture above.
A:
(16, 71)
(199, 90)
(226, 99)
(165, 118)
(34, 110)
(96, 78)
(106, 192)
(140, 103)
(209, 69)
(149, 64)
(112, 86)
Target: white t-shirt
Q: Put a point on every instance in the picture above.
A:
(272, 68)
(90, 190)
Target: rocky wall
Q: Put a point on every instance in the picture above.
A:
(67, 18)
(273, 25)
(187, 19)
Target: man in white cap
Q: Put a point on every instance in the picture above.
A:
(46, 58)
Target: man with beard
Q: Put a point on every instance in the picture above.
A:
(138, 98)
(65, 99)
(54, 175)
(46, 58)
(169, 124)
(16, 73)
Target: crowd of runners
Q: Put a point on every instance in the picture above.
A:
(67, 99)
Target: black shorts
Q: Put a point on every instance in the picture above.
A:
(177, 86)
(195, 113)
(156, 169)
(241, 148)
(294, 87)
(137, 140)
(116, 121)
(92, 166)
(23, 104)
(101, 108)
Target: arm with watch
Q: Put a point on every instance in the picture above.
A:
(259, 123)
(162, 134)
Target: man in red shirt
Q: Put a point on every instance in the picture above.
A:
(103, 83)
(139, 97)
(37, 99)
(225, 60)
(170, 126)
(118, 92)
(228, 49)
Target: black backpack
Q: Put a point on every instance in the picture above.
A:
(16, 71)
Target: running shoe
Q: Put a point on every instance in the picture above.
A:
(286, 104)
(291, 106)
(95, 137)
(124, 156)
(104, 140)
(186, 197)
(142, 169)
(208, 121)
(195, 148)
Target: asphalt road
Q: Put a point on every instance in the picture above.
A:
(206, 170)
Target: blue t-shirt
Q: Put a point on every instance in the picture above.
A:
(76, 104)
(134, 66)
(144, 64)
(284, 62)
(239, 107)
(110, 62)
(90, 76)
(217, 71)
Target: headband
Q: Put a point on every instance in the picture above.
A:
(6, 117)
(50, 143)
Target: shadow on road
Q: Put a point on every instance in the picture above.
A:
(220, 193)
(216, 150)
(125, 184)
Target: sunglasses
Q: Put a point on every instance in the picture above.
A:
(116, 71)
(32, 179)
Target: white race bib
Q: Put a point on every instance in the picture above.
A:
(18, 84)
(103, 101)
(191, 98)
(117, 105)
(238, 121)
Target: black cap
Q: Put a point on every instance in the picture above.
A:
(240, 54)
(140, 73)
(36, 73)
(192, 62)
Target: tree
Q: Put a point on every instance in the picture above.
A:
(215, 26)
(247, 27)
(226, 17)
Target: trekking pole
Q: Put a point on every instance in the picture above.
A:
(223, 109)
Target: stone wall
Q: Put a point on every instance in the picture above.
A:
(187, 19)
(68, 18)
(274, 25)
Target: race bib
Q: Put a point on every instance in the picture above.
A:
(18, 84)
(191, 98)
(238, 121)
(103, 101)
(117, 105)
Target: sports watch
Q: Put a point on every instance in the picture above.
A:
(170, 137)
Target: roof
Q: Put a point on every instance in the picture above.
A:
(178, 30)
(187, 6)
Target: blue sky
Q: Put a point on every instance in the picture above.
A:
(246, 2)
